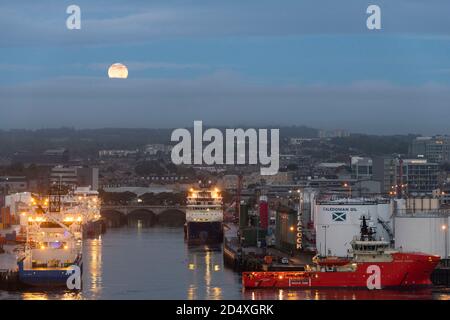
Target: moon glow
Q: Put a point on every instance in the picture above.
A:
(118, 71)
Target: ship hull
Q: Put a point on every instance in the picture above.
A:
(198, 233)
(45, 277)
(405, 270)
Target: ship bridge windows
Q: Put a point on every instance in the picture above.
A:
(205, 209)
(373, 247)
(204, 203)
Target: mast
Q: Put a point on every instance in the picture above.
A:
(366, 231)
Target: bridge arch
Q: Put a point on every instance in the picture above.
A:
(142, 217)
(172, 218)
(113, 218)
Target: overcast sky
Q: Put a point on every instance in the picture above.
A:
(228, 63)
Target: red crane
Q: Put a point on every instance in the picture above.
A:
(400, 179)
(238, 197)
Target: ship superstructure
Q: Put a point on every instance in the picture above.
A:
(204, 216)
(53, 243)
(79, 202)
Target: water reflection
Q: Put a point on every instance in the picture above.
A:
(191, 293)
(155, 263)
(205, 264)
(34, 296)
(343, 294)
(55, 293)
(93, 275)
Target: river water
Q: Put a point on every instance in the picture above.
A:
(155, 263)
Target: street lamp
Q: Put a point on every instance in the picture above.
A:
(444, 228)
(347, 185)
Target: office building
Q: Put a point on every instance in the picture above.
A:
(419, 176)
(75, 176)
(435, 149)
(361, 168)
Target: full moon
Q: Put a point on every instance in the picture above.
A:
(118, 71)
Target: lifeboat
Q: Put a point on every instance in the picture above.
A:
(330, 261)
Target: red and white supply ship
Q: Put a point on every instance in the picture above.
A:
(373, 265)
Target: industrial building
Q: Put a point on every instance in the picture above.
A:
(366, 188)
(423, 232)
(338, 222)
(17, 203)
(12, 184)
(286, 221)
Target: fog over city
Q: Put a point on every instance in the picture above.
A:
(266, 64)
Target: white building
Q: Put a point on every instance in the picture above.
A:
(75, 176)
(153, 149)
(361, 167)
(116, 153)
(337, 222)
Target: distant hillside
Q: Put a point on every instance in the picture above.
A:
(88, 141)
(79, 142)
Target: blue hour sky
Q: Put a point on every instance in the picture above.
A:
(227, 63)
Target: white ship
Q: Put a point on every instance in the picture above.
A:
(204, 216)
(80, 202)
(53, 244)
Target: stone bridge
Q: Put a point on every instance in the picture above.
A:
(143, 215)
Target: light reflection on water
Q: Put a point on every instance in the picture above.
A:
(155, 263)
(93, 267)
(345, 294)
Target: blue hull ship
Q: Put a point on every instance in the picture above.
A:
(47, 277)
(204, 232)
(204, 216)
